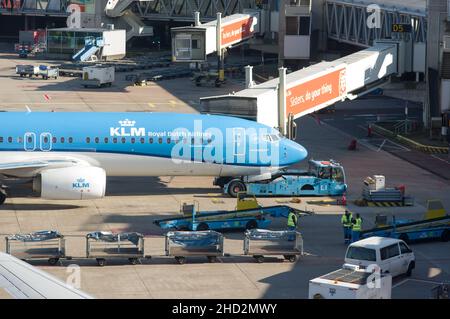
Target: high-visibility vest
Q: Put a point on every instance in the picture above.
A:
(291, 220)
(347, 222)
(357, 225)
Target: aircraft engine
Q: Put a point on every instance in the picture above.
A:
(71, 183)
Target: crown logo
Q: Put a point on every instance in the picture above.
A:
(80, 180)
(127, 123)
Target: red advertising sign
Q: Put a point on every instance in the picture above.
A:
(238, 31)
(307, 95)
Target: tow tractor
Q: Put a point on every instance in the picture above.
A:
(248, 214)
(323, 178)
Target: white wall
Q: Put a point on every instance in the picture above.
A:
(115, 42)
(297, 46)
(445, 94)
(267, 108)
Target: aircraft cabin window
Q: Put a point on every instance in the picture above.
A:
(19, 140)
(45, 139)
(106, 140)
(54, 139)
(97, 140)
(142, 140)
(62, 139)
(29, 139)
(123, 140)
(70, 139)
(133, 140)
(168, 140)
(1, 139)
(10, 139)
(150, 140)
(160, 140)
(88, 140)
(115, 140)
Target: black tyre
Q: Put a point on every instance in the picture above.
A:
(235, 187)
(410, 269)
(251, 224)
(53, 261)
(2, 196)
(181, 260)
(202, 226)
(259, 259)
(101, 262)
(183, 228)
(133, 261)
(404, 237)
(212, 259)
(291, 258)
(445, 236)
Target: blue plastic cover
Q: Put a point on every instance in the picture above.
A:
(37, 236)
(110, 237)
(194, 238)
(264, 234)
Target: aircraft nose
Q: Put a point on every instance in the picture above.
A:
(294, 152)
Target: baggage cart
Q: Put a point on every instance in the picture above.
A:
(48, 72)
(263, 242)
(48, 245)
(25, 70)
(182, 244)
(106, 245)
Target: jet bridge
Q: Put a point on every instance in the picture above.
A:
(278, 102)
(194, 43)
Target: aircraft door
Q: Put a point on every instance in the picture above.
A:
(29, 141)
(46, 142)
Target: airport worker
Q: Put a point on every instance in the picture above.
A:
(346, 221)
(292, 224)
(356, 229)
(292, 221)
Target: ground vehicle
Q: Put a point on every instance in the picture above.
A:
(48, 72)
(434, 225)
(435, 228)
(194, 243)
(49, 245)
(323, 178)
(247, 215)
(262, 242)
(350, 283)
(25, 70)
(393, 256)
(98, 76)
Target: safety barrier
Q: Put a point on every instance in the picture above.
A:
(413, 144)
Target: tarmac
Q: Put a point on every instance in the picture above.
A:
(132, 204)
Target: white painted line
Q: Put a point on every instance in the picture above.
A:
(381, 146)
(400, 283)
(349, 119)
(441, 159)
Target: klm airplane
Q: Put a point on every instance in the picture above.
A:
(69, 155)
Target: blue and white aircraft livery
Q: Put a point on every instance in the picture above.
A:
(69, 155)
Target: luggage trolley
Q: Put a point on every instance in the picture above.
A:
(106, 245)
(263, 242)
(182, 244)
(47, 244)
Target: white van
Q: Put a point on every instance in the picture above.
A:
(393, 256)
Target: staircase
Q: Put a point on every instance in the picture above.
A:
(119, 9)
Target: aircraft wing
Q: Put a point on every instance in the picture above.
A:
(26, 168)
(23, 281)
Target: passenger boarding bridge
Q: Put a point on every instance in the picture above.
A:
(278, 102)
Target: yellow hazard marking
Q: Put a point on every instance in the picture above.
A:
(151, 105)
(217, 201)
